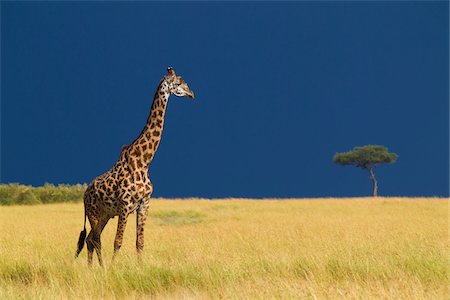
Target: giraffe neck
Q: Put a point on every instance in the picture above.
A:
(143, 148)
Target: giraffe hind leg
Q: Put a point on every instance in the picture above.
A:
(90, 244)
(97, 239)
(90, 247)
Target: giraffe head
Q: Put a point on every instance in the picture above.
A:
(177, 85)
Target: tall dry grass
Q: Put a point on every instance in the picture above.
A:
(328, 248)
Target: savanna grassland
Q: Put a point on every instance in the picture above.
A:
(362, 248)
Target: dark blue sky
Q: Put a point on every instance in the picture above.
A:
(280, 88)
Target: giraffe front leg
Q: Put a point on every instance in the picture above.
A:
(119, 234)
(141, 218)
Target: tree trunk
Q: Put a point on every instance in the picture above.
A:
(374, 181)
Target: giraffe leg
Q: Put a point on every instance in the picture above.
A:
(90, 247)
(90, 238)
(119, 234)
(141, 218)
(97, 241)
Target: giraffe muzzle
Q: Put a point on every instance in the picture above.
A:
(191, 95)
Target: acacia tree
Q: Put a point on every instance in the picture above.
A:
(367, 158)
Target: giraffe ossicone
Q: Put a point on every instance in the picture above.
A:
(126, 187)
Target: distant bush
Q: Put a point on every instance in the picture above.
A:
(27, 197)
(15, 193)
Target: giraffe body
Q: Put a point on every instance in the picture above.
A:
(126, 187)
(104, 195)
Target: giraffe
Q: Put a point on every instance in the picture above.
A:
(126, 187)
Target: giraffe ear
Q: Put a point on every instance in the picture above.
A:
(171, 71)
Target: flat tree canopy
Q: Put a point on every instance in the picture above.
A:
(365, 157)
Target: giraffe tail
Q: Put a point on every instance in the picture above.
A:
(82, 238)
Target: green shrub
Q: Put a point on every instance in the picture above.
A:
(15, 193)
(9, 193)
(27, 197)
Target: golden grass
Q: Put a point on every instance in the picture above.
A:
(355, 248)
